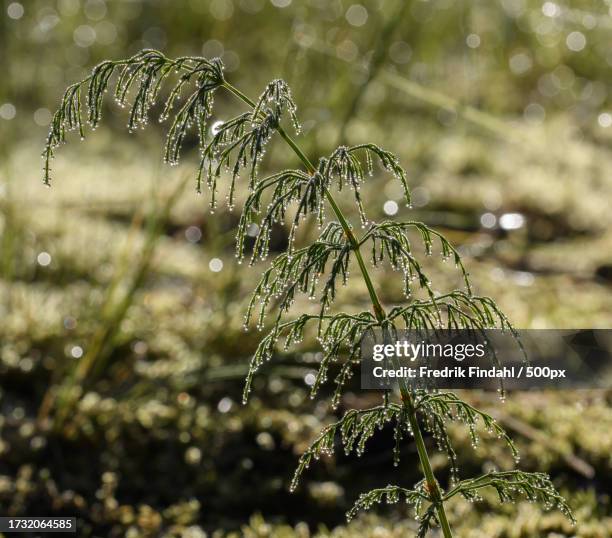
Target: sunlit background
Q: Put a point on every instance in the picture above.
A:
(120, 287)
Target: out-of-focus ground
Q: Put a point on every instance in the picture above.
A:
(502, 114)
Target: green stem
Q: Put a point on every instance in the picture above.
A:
(432, 483)
(378, 309)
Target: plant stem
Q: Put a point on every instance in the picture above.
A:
(432, 483)
(379, 312)
(378, 309)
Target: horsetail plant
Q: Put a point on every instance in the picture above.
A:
(237, 147)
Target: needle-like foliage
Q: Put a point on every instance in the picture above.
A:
(512, 485)
(316, 270)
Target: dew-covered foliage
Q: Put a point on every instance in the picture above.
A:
(319, 269)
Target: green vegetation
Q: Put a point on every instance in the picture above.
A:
(240, 143)
(507, 155)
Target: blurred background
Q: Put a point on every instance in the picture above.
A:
(122, 353)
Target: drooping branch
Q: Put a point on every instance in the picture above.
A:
(390, 495)
(355, 428)
(510, 485)
(144, 73)
(390, 241)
